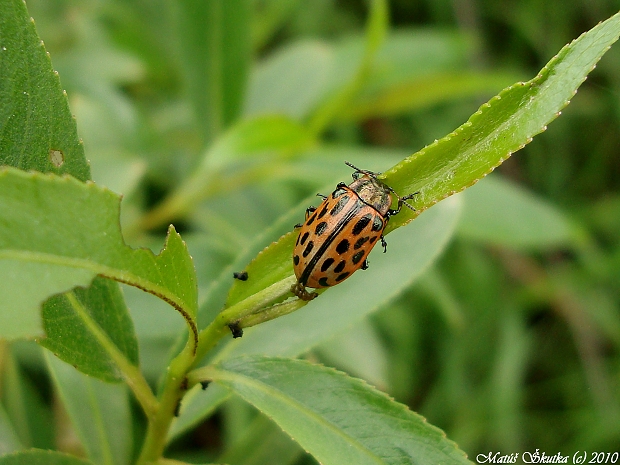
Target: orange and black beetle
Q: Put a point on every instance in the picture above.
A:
(336, 237)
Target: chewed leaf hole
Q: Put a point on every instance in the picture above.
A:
(57, 157)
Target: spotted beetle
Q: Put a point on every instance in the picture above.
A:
(336, 237)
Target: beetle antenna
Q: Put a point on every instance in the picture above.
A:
(359, 170)
(404, 199)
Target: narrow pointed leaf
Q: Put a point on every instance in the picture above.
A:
(500, 127)
(336, 418)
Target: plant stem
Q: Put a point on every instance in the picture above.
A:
(172, 392)
(176, 382)
(209, 336)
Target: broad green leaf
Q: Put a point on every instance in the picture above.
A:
(500, 127)
(37, 131)
(360, 351)
(215, 46)
(57, 233)
(40, 135)
(100, 413)
(41, 457)
(501, 213)
(68, 320)
(336, 418)
(410, 252)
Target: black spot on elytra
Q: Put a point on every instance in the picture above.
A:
(360, 242)
(322, 212)
(340, 205)
(340, 267)
(342, 246)
(373, 239)
(377, 223)
(342, 276)
(304, 238)
(361, 224)
(308, 249)
(296, 260)
(311, 220)
(326, 264)
(357, 257)
(320, 228)
(323, 282)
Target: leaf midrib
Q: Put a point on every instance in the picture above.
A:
(94, 267)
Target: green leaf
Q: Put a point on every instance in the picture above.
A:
(29, 415)
(336, 418)
(377, 27)
(9, 441)
(501, 213)
(250, 145)
(292, 81)
(41, 457)
(500, 127)
(360, 351)
(215, 45)
(262, 442)
(410, 252)
(57, 233)
(416, 68)
(68, 322)
(37, 131)
(100, 413)
(197, 404)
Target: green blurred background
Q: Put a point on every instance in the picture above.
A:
(510, 341)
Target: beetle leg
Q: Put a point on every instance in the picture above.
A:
(401, 201)
(300, 291)
(309, 211)
(383, 243)
(322, 196)
(365, 264)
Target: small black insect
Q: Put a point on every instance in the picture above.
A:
(241, 275)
